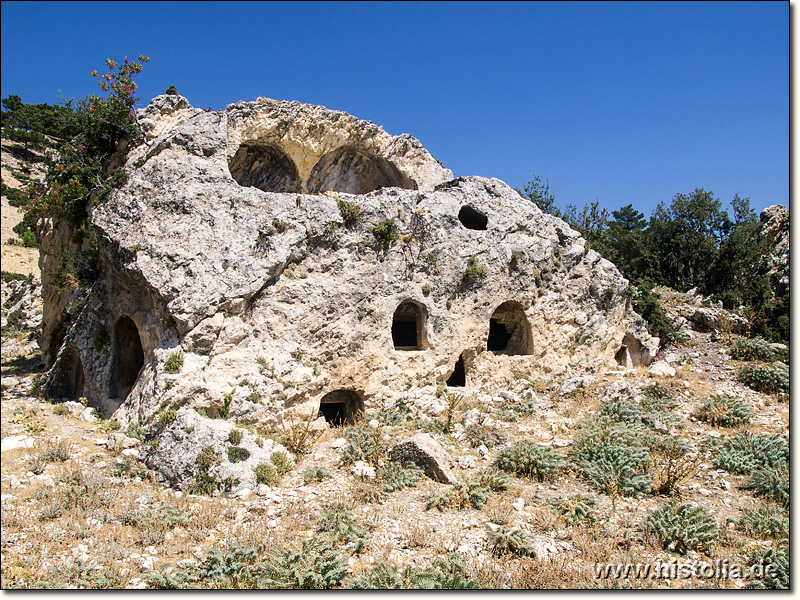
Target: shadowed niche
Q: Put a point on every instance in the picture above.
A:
(473, 219)
(459, 376)
(408, 327)
(509, 330)
(341, 407)
(353, 171)
(265, 167)
(68, 378)
(128, 358)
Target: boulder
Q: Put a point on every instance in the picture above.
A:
(428, 454)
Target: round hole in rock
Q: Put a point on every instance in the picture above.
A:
(459, 376)
(509, 330)
(265, 167)
(353, 171)
(408, 326)
(341, 407)
(472, 219)
(68, 378)
(128, 358)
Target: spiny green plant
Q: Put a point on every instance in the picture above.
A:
(394, 416)
(752, 349)
(769, 379)
(575, 510)
(511, 540)
(381, 576)
(764, 521)
(351, 213)
(491, 478)
(725, 411)
(532, 460)
(396, 476)
(771, 482)
(683, 527)
(461, 495)
(365, 444)
(447, 573)
(475, 435)
(174, 363)
(617, 470)
(165, 418)
(339, 523)
(774, 567)
(622, 410)
(315, 474)
(745, 452)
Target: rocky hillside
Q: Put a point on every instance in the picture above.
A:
(311, 358)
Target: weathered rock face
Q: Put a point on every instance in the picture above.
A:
(775, 229)
(276, 303)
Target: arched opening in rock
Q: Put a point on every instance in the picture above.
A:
(472, 219)
(509, 330)
(408, 326)
(68, 378)
(353, 171)
(459, 376)
(631, 353)
(341, 407)
(265, 167)
(128, 358)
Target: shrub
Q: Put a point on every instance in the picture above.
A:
(745, 452)
(462, 495)
(315, 474)
(725, 411)
(511, 541)
(764, 521)
(474, 271)
(575, 510)
(352, 213)
(446, 573)
(299, 438)
(533, 460)
(172, 91)
(475, 435)
(683, 527)
(385, 233)
(671, 463)
(363, 444)
(165, 418)
(204, 483)
(755, 349)
(394, 416)
(265, 474)
(769, 379)
(60, 409)
(774, 563)
(380, 577)
(771, 482)
(397, 476)
(237, 454)
(235, 437)
(174, 363)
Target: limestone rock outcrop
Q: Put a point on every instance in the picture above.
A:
(276, 258)
(775, 229)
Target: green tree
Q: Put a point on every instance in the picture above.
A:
(539, 193)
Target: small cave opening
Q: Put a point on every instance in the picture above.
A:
(341, 407)
(509, 330)
(127, 360)
(622, 357)
(68, 378)
(459, 376)
(354, 171)
(408, 326)
(265, 167)
(473, 219)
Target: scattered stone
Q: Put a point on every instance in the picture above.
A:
(428, 454)
(661, 369)
(16, 441)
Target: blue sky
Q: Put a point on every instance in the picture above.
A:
(625, 103)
